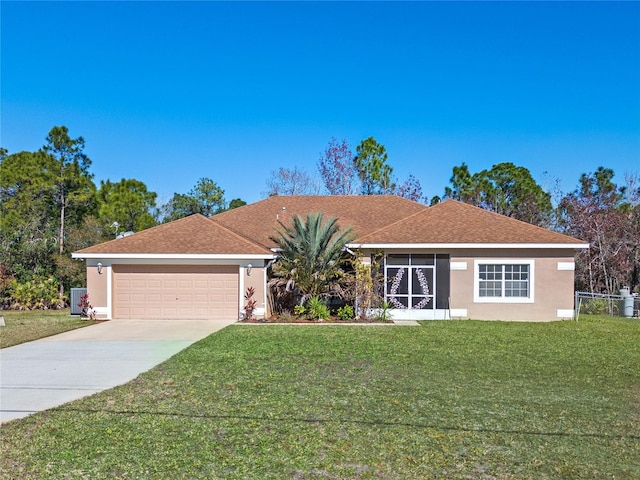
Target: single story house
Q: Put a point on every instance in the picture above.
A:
(450, 260)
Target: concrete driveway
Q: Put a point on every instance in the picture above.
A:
(51, 371)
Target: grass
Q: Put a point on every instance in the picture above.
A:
(26, 326)
(449, 399)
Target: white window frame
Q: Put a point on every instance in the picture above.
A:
(503, 261)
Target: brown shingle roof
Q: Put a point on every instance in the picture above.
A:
(195, 234)
(455, 222)
(376, 219)
(365, 213)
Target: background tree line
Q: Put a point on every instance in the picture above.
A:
(50, 206)
(343, 172)
(598, 211)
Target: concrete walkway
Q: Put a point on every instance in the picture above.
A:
(51, 371)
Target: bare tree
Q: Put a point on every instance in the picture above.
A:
(338, 170)
(600, 213)
(286, 181)
(411, 189)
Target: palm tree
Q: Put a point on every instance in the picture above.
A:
(311, 258)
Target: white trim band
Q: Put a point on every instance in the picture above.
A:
(565, 313)
(566, 266)
(466, 246)
(458, 265)
(177, 256)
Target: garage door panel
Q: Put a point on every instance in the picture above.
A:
(170, 291)
(201, 298)
(138, 283)
(169, 283)
(167, 298)
(185, 299)
(169, 312)
(137, 295)
(218, 297)
(137, 311)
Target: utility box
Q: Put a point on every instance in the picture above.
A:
(76, 293)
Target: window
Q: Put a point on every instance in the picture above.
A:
(507, 281)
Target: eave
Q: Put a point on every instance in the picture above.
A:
(173, 256)
(467, 246)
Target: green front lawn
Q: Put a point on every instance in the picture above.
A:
(26, 326)
(449, 399)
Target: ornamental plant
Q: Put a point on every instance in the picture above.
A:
(383, 313)
(345, 313)
(250, 303)
(365, 284)
(312, 259)
(317, 310)
(87, 309)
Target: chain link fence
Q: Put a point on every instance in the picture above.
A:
(604, 304)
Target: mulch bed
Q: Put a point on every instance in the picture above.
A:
(280, 320)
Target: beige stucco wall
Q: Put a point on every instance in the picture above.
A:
(257, 281)
(553, 287)
(97, 289)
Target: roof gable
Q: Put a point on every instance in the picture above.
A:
(195, 234)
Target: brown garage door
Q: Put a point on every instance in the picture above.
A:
(175, 292)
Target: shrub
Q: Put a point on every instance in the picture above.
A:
(596, 306)
(41, 292)
(5, 281)
(383, 314)
(600, 306)
(367, 284)
(317, 309)
(346, 313)
(299, 310)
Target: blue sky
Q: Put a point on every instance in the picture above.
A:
(168, 92)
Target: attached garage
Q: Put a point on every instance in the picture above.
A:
(175, 291)
(189, 269)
